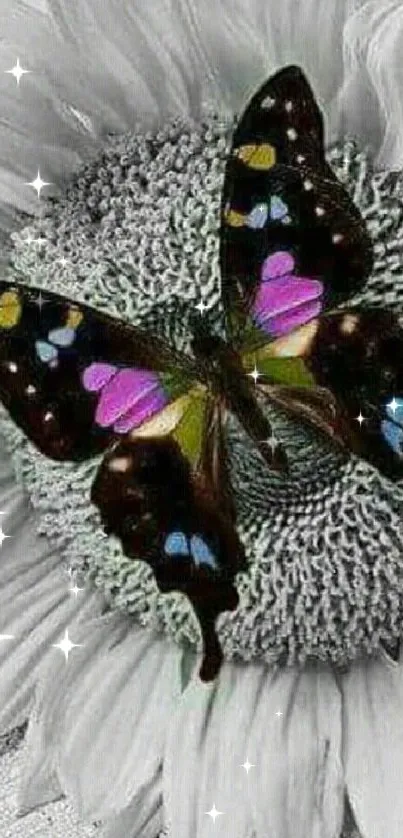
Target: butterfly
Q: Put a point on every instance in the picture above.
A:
(293, 247)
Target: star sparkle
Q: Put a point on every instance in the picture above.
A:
(255, 374)
(360, 418)
(393, 405)
(201, 307)
(3, 536)
(38, 184)
(247, 765)
(17, 71)
(75, 589)
(272, 442)
(66, 645)
(40, 301)
(214, 813)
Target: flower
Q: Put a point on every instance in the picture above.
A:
(310, 691)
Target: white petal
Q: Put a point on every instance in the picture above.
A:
(143, 818)
(297, 786)
(371, 98)
(373, 746)
(35, 603)
(104, 713)
(206, 748)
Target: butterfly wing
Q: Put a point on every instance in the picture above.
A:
(292, 241)
(357, 356)
(164, 491)
(72, 377)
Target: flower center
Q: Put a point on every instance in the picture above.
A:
(138, 225)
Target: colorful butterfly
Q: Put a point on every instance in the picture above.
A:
(292, 245)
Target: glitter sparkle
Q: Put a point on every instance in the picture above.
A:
(38, 184)
(201, 307)
(75, 590)
(66, 645)
(255, 374)
(3, 536)
(360, 418)
(393, 405)
(17, 71)
(247, 765)
(214, 813)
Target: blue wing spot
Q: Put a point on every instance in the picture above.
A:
(176, 544)
(257, 217)
(201, 552)
(392, 428)
(393, 434)
(45, 351)
(278, 209)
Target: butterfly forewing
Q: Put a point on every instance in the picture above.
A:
(281, 201)
(72, 378)
(168, 499)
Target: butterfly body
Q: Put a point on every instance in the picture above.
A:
(80, 383)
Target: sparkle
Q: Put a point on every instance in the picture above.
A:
(40, 301)
(30, 389)
(38, 184)
(279, 713)
(48, 416)
(393, 405)
(336, 238)
(292, 134)
(255, 374)
(272, 442)
(66, 645)
(300, 158)
(319, 210)
(63, 261)
(201, 307)
(247, 765)
(308, 185)
(12, 366)
(360, 418)
(214, 813)
(30, 239)
(17, 71)
(3, 536)
(75, 589)
(288, 106)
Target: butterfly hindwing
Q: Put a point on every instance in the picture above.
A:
(72, 378)
(166, 496)
(357, 356)
(292, 241)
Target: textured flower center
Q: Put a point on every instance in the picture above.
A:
(140, 224)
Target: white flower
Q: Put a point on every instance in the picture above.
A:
(124, 728)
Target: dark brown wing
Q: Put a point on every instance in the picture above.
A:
(168, 499)
(59, 360)
(281, 196)
(356, 355)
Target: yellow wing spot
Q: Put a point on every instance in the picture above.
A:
(10, 309)
(234, 218)
(296, 344)
(74, 318)
(349, 324)
(257, 156)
